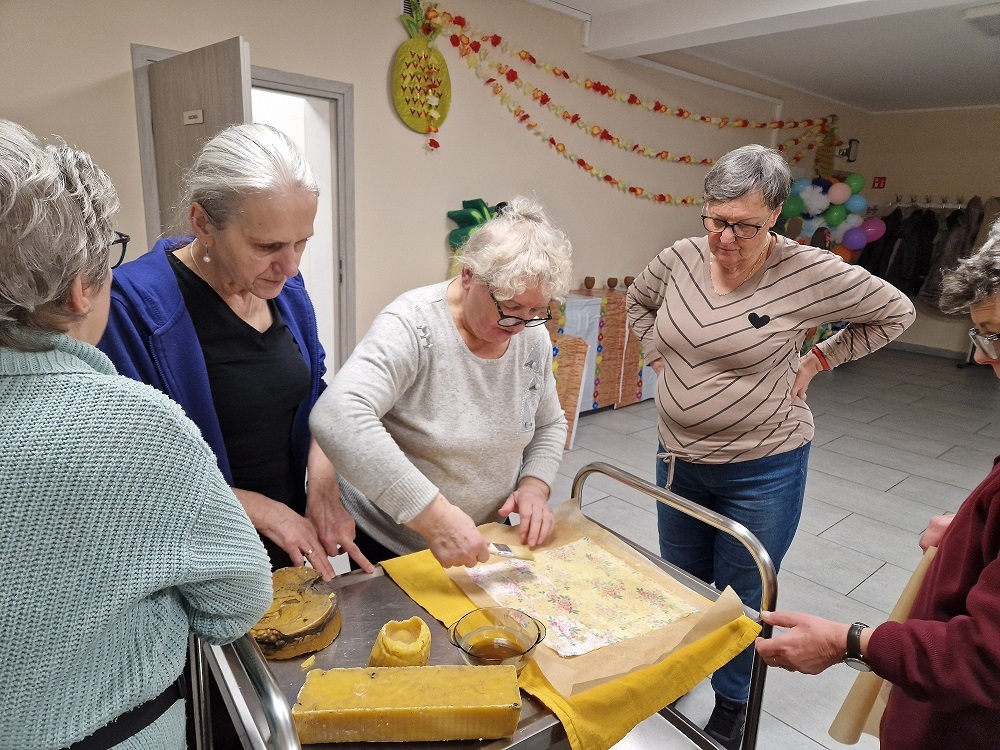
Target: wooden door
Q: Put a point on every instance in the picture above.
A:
(192, 96)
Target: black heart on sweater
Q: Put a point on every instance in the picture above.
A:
(758, 321)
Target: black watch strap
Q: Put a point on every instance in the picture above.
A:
(854, 657)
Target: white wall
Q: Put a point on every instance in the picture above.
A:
(73, 77)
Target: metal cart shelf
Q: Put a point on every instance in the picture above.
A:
(258, 693)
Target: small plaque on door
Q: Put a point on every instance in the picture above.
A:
(194, 117)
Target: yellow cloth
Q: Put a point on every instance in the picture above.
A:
(599, 717)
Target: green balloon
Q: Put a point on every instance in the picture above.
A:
(793, 206)
(855, 182)
(834, 215)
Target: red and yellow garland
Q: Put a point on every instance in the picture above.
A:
(476, 47)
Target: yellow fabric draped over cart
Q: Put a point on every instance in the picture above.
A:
(597, 718)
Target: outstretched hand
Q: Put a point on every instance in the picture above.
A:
(810, 646)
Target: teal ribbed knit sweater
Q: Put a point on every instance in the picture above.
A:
(118, 536)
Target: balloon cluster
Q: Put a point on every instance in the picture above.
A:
(839, 206)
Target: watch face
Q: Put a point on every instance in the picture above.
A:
(857, 664)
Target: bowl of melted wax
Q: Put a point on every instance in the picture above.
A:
(497, 635)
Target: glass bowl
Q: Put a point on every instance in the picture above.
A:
(497, 635)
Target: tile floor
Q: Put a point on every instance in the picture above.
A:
(900, 436)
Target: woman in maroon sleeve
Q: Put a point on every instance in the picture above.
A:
(944, 660)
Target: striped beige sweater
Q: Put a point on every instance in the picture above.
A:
(730, 360)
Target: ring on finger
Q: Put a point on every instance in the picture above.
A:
(309, 553)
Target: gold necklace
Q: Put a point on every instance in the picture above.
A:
(748, 274)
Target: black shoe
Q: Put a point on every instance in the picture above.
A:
(725, 726)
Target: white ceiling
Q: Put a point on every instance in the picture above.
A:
(876, 55)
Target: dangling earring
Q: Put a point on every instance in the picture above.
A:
(205, 256)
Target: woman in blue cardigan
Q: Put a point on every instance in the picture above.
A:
(118, 534)
(220, 321)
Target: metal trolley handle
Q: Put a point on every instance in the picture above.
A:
(275, 707)
(768, 577)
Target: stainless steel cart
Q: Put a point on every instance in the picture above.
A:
(258, 693)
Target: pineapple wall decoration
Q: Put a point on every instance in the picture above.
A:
(421, 86)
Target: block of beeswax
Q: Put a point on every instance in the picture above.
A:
(407, 704)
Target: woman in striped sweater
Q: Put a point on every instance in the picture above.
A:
(722, 319)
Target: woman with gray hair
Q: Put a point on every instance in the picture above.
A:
(944, 660)
(723, 319)
(221, 322)
(119, 534)
(446, 414)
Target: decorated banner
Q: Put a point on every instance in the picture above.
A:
(504, 68)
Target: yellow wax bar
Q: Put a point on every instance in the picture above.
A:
(407, 704)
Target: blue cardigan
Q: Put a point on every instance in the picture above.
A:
(150, 337)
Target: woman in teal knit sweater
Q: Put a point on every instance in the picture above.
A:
(118, 534)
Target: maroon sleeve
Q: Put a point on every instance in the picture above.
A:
(948, 651)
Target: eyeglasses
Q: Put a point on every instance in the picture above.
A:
(120, 239)
(740, 229)
(510, 321)
(988, 345)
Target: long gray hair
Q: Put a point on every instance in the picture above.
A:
(518, 247)
(745, 170)
(243, 160)
(975, 279)
(55, 225)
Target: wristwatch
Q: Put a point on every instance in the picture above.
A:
(854, 657)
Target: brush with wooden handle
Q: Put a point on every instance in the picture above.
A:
(511, 550)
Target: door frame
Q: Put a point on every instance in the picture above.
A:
(341, 95)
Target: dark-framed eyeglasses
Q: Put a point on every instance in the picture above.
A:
(510, 321)
(988, 345)
(117, 257)
(740, 228)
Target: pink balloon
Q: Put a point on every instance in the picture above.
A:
(839, 193)
(855, 239)
(873, 229)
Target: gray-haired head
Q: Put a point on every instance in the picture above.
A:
(243, 160)
(975, 279)
(746, 170)
(518, 247)
(55, 225)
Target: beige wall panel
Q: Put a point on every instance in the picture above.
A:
(73, 78)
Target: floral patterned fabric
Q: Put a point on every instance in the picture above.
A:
(586, 597)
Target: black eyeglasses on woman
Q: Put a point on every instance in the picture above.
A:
(509, 321)
(120, 239)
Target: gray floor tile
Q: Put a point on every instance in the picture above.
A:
(882, 435)
(871, 503)
(562, 490)
(933, 494)
(823, 434)
(823, 561)
(818, 516)
(649, 435)
(903, 461)
(809, 703)
(622, 420)
(622, 449)
(876, 539)
(862, 472)
(799, 594)
(978, 460)
(612, 487)
(882, 589)
(633, 523)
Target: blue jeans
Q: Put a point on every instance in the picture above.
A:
(765, 495)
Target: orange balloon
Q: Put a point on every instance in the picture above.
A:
(844, 253)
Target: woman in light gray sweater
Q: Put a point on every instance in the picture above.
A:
(446, 414)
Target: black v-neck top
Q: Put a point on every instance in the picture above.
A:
(258, 381)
